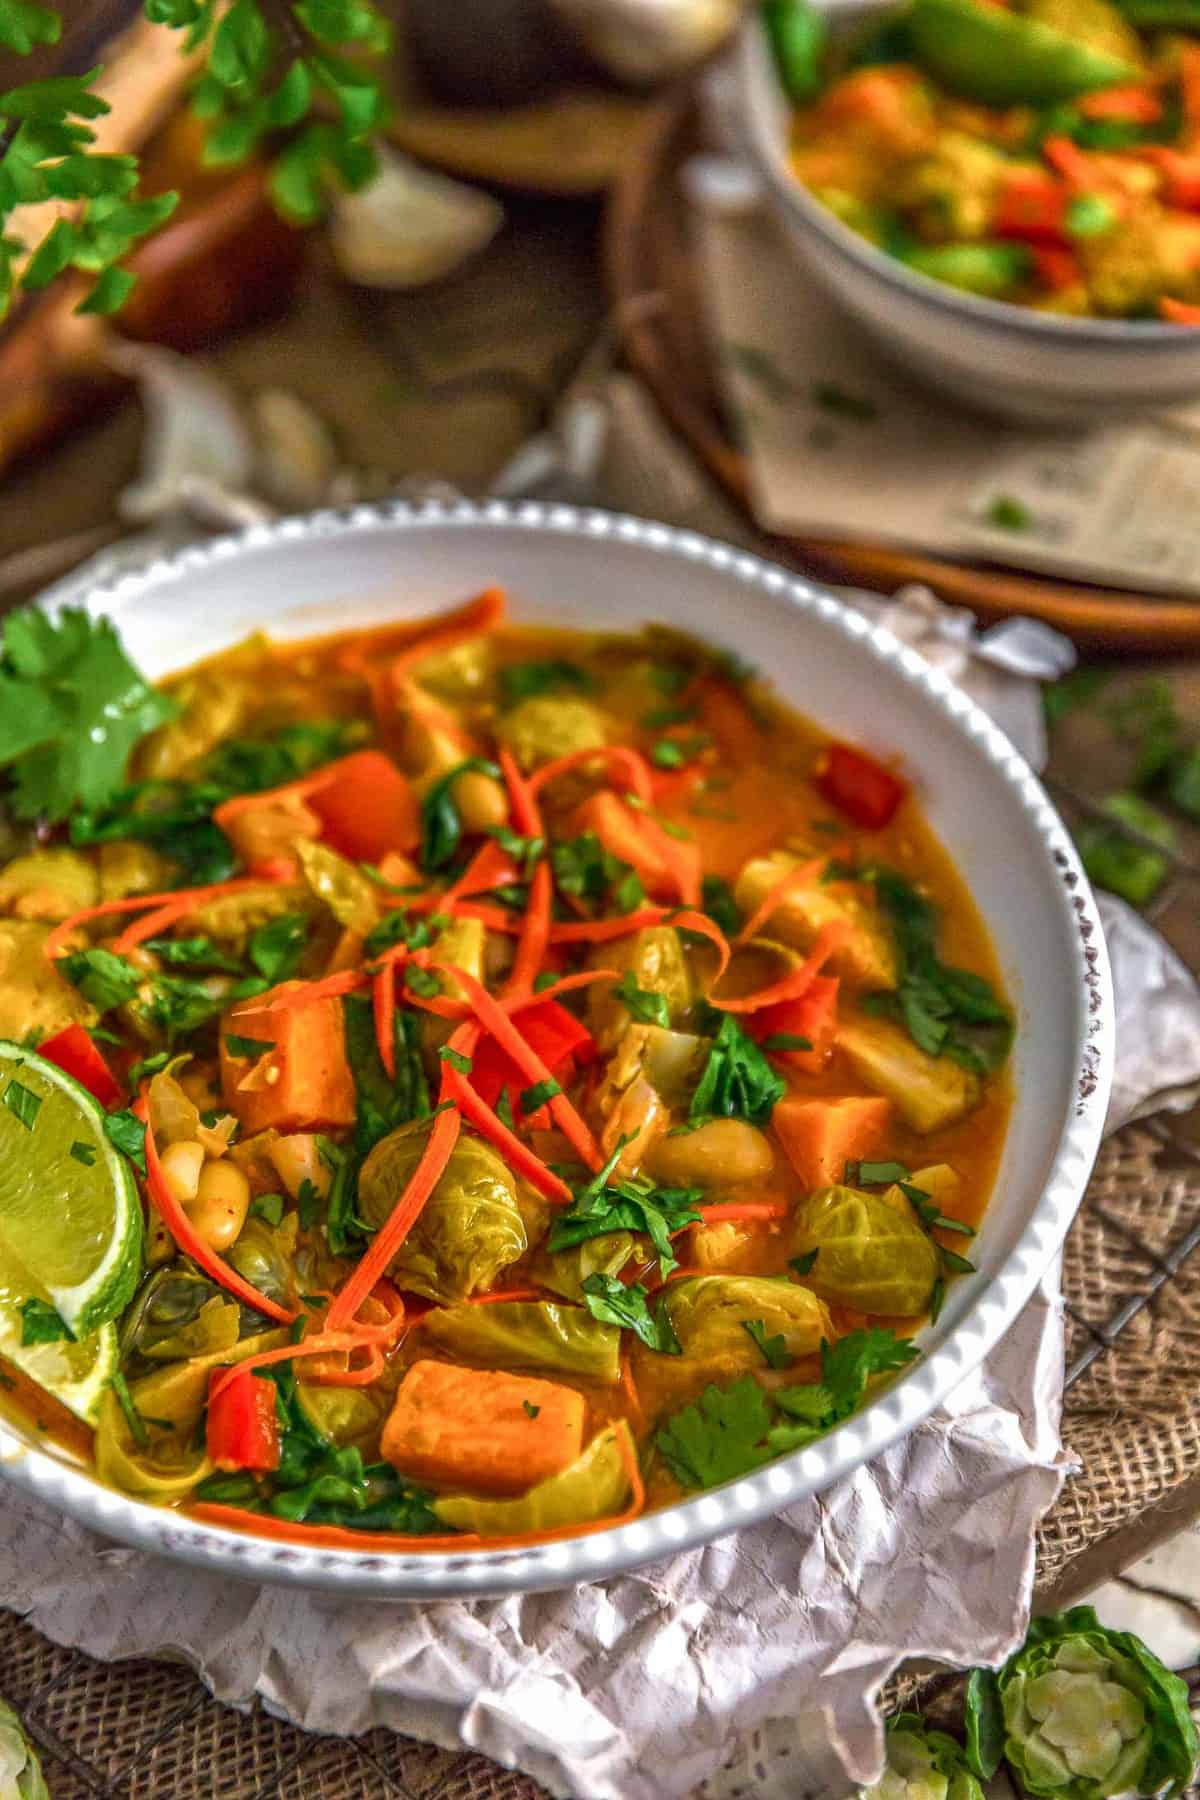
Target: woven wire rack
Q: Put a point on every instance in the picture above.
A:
(150, 1730)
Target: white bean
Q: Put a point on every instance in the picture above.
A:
(181, 1166)
(297, 1160)
(222, 1201)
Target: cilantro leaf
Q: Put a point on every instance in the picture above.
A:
(521, 681)
(538, 1095)
(646, 1007)
(611, 1301)
(737, 1081)
(72, 708)
(720, 905)
(634, 1204)
(275, 948)
(104, 979)
(441, 821)
(22, 1103)
(127, 1134)
(774, 1350)
(719, 1437)
(40, 1323)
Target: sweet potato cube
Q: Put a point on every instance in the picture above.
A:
(821, 1136)
(482, 1429)
(288, 1068)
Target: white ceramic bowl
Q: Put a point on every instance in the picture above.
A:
(308, 576)
(1002, 359)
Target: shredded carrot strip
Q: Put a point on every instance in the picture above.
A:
(527, 819)
(382, 639)
(801, 877)
(622, 760)
(483, 614)
(336, 1537)
(535, 927)
(282, 796)
(743, 1209)
(566, 984)
(519, 1157)
(603, 931)
(303, 993)
(56, 940)
(490, 867)
(492, 916)
(404, 1215)
(495, 1020)
(383, 1009)
(535, 934)
(829, 939)
(188, 1238)
(364, 1376)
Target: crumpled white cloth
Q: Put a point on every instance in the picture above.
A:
(762, 1650)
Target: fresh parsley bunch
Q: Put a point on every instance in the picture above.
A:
(274, 67)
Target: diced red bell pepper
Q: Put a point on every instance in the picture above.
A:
(243, 1426)
(859, 786)
(1178, 311)
(369, 809)
(74, 1052)
(557, 1037)
(812, 1016)
(1057, 268)
(1031, 204)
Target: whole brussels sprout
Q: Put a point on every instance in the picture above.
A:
(870, 1253)
(548, 726)
(1090, 1713)
(20, 1772)
(469, 1229)
(709, 1313)
(922, 1765)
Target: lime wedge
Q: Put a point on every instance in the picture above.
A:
(70, 1218)
(75, 1373)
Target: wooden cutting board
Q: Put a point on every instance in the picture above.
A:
(655, 290)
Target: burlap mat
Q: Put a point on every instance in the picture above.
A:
(150, 1731)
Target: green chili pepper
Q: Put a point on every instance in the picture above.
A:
(1007, 58)
(798, 37)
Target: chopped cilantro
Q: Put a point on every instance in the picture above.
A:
(522, 681)
(531, 1411)
(246, 1048)
(83, 1153)
(538, 1095)
(455, 1058)
(613, 1303)
(720, 905)
(737, 1081)
(22, 1103)
(1007, 514)
(275, 948)
(104, 979)
(774, 1350)
(441, 821)
(268, 1207)
(40, 1323)
(646, 1007)
(308, 1204)
(804, 1265)
(780, 1041)
(127, 1134)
